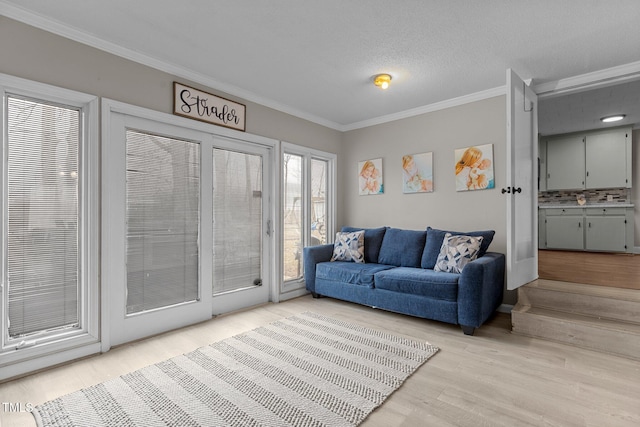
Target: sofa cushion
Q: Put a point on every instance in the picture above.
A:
(435, 238)
(418, 281)
(402, 248)
(456, 252)
(349, 272)
(349, 247)
(372, 241)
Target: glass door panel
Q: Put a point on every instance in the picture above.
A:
(293, 220)
(240, 225)
(319, 203)
(163, 187)
(237, 220)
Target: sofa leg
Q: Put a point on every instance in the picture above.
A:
(313, 294)
(468, 330)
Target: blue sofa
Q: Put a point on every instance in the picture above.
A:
(398, 276)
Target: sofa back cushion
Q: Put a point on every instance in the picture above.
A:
(402, 248)
(372, 241)
(435, 238)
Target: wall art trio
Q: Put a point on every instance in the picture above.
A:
(473, 171)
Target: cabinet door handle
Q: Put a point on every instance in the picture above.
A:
(579, 225)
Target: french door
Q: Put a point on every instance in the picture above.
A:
(240, 232)
(184, 226)
(522, 174)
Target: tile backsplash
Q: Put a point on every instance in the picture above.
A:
(619, 195)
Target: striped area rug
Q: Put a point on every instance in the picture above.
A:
(305, 370)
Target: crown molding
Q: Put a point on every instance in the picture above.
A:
(608, 76)
(454, 102)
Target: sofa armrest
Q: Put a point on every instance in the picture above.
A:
(311, 255)
(480, 289)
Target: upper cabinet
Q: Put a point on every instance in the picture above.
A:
(588, 160)
(608, 159)
(565, 162)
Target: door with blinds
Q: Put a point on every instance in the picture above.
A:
(184, 219)
(152, 201)
(240, 231)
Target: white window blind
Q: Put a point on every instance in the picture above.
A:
(162, 198)
(42, 242)
(237, 220)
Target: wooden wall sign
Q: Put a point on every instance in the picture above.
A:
(199, 105)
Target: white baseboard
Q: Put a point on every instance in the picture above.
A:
(293, 294)
(505, 308)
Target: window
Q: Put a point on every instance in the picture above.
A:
(48, 264)
(308, 206)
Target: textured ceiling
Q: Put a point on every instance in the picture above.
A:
(583, 110)
(315, 59)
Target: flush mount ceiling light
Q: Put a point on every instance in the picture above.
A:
(615, 118)
(382, 80)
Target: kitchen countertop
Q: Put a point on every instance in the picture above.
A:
(588, 205)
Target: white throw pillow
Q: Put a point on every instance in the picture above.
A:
(349, 246)
(456, 252)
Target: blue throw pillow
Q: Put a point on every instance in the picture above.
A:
(372, 241)
(402, 248)
(435, 238)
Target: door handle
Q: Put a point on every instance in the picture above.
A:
(515, 190)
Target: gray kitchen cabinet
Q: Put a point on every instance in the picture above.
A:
(606, 229)
(565, 229)
(588, 160)
(565, 162)
(602, 229)
(608, 159)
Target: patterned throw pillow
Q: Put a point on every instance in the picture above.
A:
(349, 246)
(456, 252)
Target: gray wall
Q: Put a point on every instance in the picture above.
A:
(441, 132)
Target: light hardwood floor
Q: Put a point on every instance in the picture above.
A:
(592, 268)
(494, 378)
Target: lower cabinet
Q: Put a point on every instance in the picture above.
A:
(606, 230)
(565, 232)
(590, 229)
